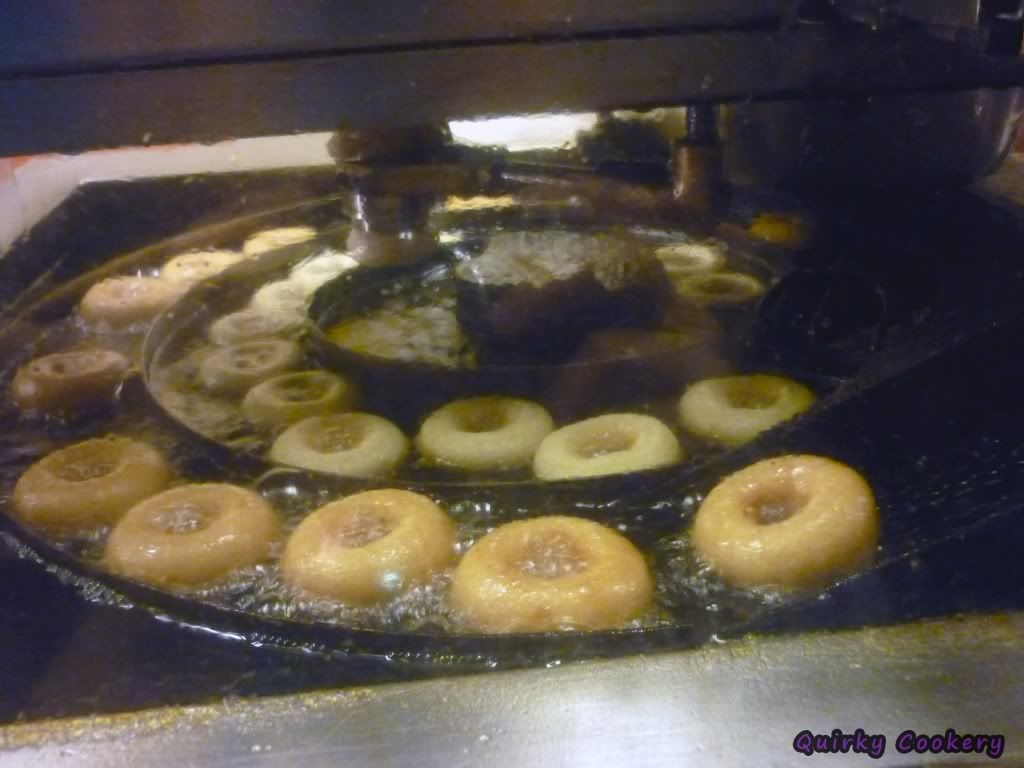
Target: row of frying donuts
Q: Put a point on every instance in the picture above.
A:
(481, 433)
(475, 434)
(66, 382)
(120, 302)
(789, 522)
(498, 433)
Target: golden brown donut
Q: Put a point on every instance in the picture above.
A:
(551, 573)
(68, 381)
(791, 522)
(482, 433)
(89, 483)
(292, 397)
(192, 535)
(788, 230)
(123, 301)
(734, 409)
(606, 445)
(352, 444)
(370, 547)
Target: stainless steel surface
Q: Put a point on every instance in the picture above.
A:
(308, 91)
(944, 136)
(52, 35)
(737, 705)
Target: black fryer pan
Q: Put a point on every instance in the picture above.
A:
(940, 441)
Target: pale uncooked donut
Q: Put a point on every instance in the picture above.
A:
(317, 270)
(352, 444)
(735, 409)
(792, 522)
(551, 573)
(239, 367)
(89, 483)
(690, 258)
(123, 301)
(252, 324)
(606, 445)
(69, 381)
(482, 433)
(192, 535)
(196, 266)
(269, 239)
(292, 397)
(285, 296)
(370, 547)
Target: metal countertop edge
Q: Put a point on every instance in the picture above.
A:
(739, 704)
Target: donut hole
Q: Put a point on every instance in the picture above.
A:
(80, 471)
(601, 443)
(360, 527)
(300, 389)
(70, 364)
(482, 419)
(61, 367)
(337, 438)
(180, 518)
(80, 463)
(752, 395)
(551, 556)
(774, 505)
(251, 357)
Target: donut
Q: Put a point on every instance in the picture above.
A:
(352, 444)
(606, 445)
(238, 367)
(286, 296)
(718, 289)
(68, 381)
(123, 301)
(252, 324)
(481, 433)
(791, 522)
(367, 548)
(292, 397)
(551, 573)
(317, 270)
(780, 229)
(735, 409)
(270, 239)
(191, 535)
(89, 483)
(690, 258)
(196, 266)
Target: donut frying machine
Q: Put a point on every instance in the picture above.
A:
(852, 158)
